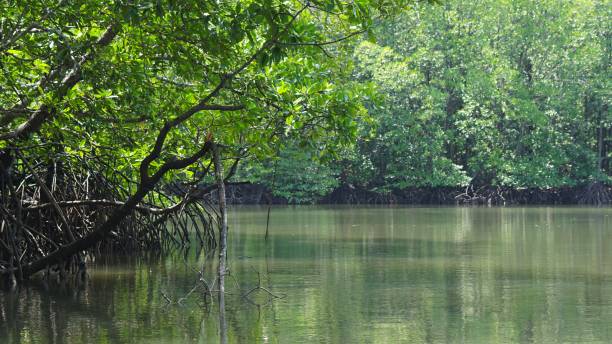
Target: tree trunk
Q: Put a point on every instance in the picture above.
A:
(222, 239)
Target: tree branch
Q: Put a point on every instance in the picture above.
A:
(116, 216)
(36, 120)
(102, 203)
(203, 104)
(147, 183)
(320, 44)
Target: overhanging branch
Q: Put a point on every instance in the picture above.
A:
(37, 119)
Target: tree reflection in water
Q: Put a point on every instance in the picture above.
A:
(351, 275)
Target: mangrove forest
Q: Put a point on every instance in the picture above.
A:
(306, 170)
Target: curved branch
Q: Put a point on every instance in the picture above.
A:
(163, 133)
(45, 112)
(203, 104)
(117, 215)
(147, 183)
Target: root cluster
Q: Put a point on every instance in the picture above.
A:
(50, 201)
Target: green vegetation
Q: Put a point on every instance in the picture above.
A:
(112, 113)
(124, 122)
(499, 94)
(105, 105)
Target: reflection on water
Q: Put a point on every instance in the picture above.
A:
(354, 275)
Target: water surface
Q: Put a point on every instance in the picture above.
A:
(352, 275)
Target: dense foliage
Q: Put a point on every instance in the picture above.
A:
(111, 112)
(166, 58)
(511, 94)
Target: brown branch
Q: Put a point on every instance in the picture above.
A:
(320, 44)
(47, 192)
(163, 133)
(16, 35)
(110, 203)
(147, 183)
(99, 203)
(203, 191)
(113, 220)
(203, 104)
(45, 112)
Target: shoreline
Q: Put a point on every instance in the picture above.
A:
(590, 194)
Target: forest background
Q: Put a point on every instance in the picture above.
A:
(468, 101)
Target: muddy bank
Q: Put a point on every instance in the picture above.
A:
(591, 194)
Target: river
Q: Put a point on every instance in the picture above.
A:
(350, 275)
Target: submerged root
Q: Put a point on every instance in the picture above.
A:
(482, 196)
(48, 202)
(595, 193)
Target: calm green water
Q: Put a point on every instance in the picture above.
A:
(353, 275)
